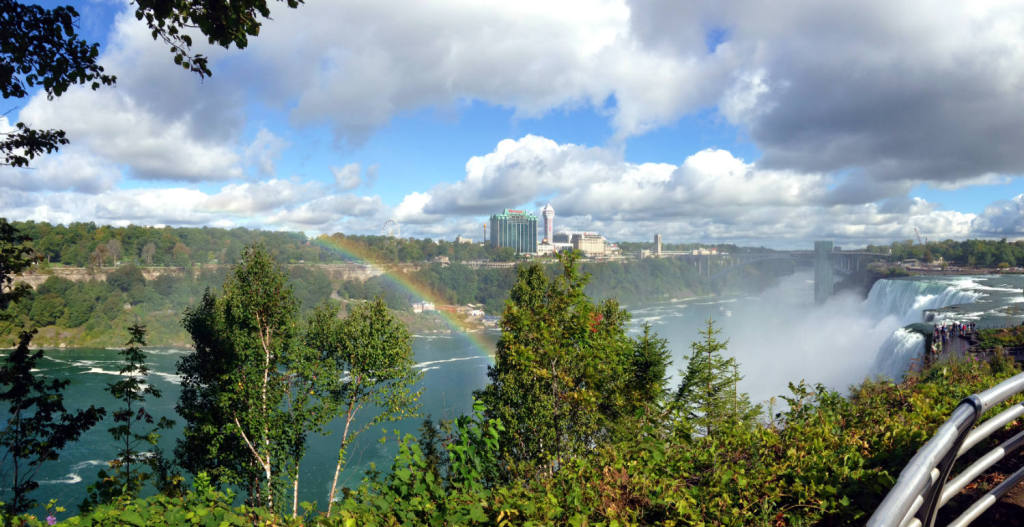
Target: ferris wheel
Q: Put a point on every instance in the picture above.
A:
(392, 228)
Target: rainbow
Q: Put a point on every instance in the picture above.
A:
(355, 251)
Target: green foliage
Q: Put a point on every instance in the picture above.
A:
(708, 398)
(1006, 337)
(827, 459)
(981, 253)
(365, 360)
(563, 372)
(126, 278)
(132, 391)
(223, 22)
(37, 427)
(235, 381)
(202, 506)
(46, 309)
(15, 256)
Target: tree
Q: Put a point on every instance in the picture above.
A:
(234, 383)
(126, 278)
(367, 361)
(132, 391)
(181, 254)
(46, 309)
(114, 250)
(41, 47)
(562, 370)
(38, 426)
(148, 251)
(15, 256)
(99, 255)
(648, 369)
(708, 397)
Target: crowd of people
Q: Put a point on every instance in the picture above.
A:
(947, 330)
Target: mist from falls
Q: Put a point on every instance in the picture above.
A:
(781, 336)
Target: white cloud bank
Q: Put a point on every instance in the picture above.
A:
(711, 196)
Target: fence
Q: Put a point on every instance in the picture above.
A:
(925, 484)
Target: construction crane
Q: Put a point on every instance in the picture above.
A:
(918, 232)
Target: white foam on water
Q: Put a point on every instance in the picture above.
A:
(172, 378)
(442, 361)
(70, 479)
(104, 372)
(167, 351)
(89, 463)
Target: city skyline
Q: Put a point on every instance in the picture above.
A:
(707, 123)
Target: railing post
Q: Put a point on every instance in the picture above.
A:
(931, 499)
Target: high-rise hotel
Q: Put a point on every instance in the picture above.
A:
(516, 229)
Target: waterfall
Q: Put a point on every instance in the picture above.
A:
(906, 301)
(897, 352)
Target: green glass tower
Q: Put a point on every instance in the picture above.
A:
(516, 229)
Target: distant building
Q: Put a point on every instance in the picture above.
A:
(548, 213)
(515, 229)
(589, 243)
(562, 237)
(657, 245)
(420, 307)
(462, 239)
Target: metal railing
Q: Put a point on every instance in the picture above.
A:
(925, 484)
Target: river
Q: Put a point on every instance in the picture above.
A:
(777, 336)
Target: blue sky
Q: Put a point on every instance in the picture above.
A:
(855, 121)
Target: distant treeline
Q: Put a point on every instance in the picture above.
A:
(88, 244)
(983, 253)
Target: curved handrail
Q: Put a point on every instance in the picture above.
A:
(925, 486)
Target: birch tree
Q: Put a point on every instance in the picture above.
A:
(240, 426)
(367, 365)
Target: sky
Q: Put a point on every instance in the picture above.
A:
(750, 122)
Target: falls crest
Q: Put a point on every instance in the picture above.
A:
(907, 299)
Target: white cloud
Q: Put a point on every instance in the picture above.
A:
(159, 121)
(114, 126)
(264, 151)
(73, 169)
(274, 204)
(1002, 218)
(347, 177)
(920, 90)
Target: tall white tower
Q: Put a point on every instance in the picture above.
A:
(549, 222)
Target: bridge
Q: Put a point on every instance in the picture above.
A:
(825, 259)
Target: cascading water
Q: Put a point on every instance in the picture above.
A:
(897, 353)
(906, 300)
